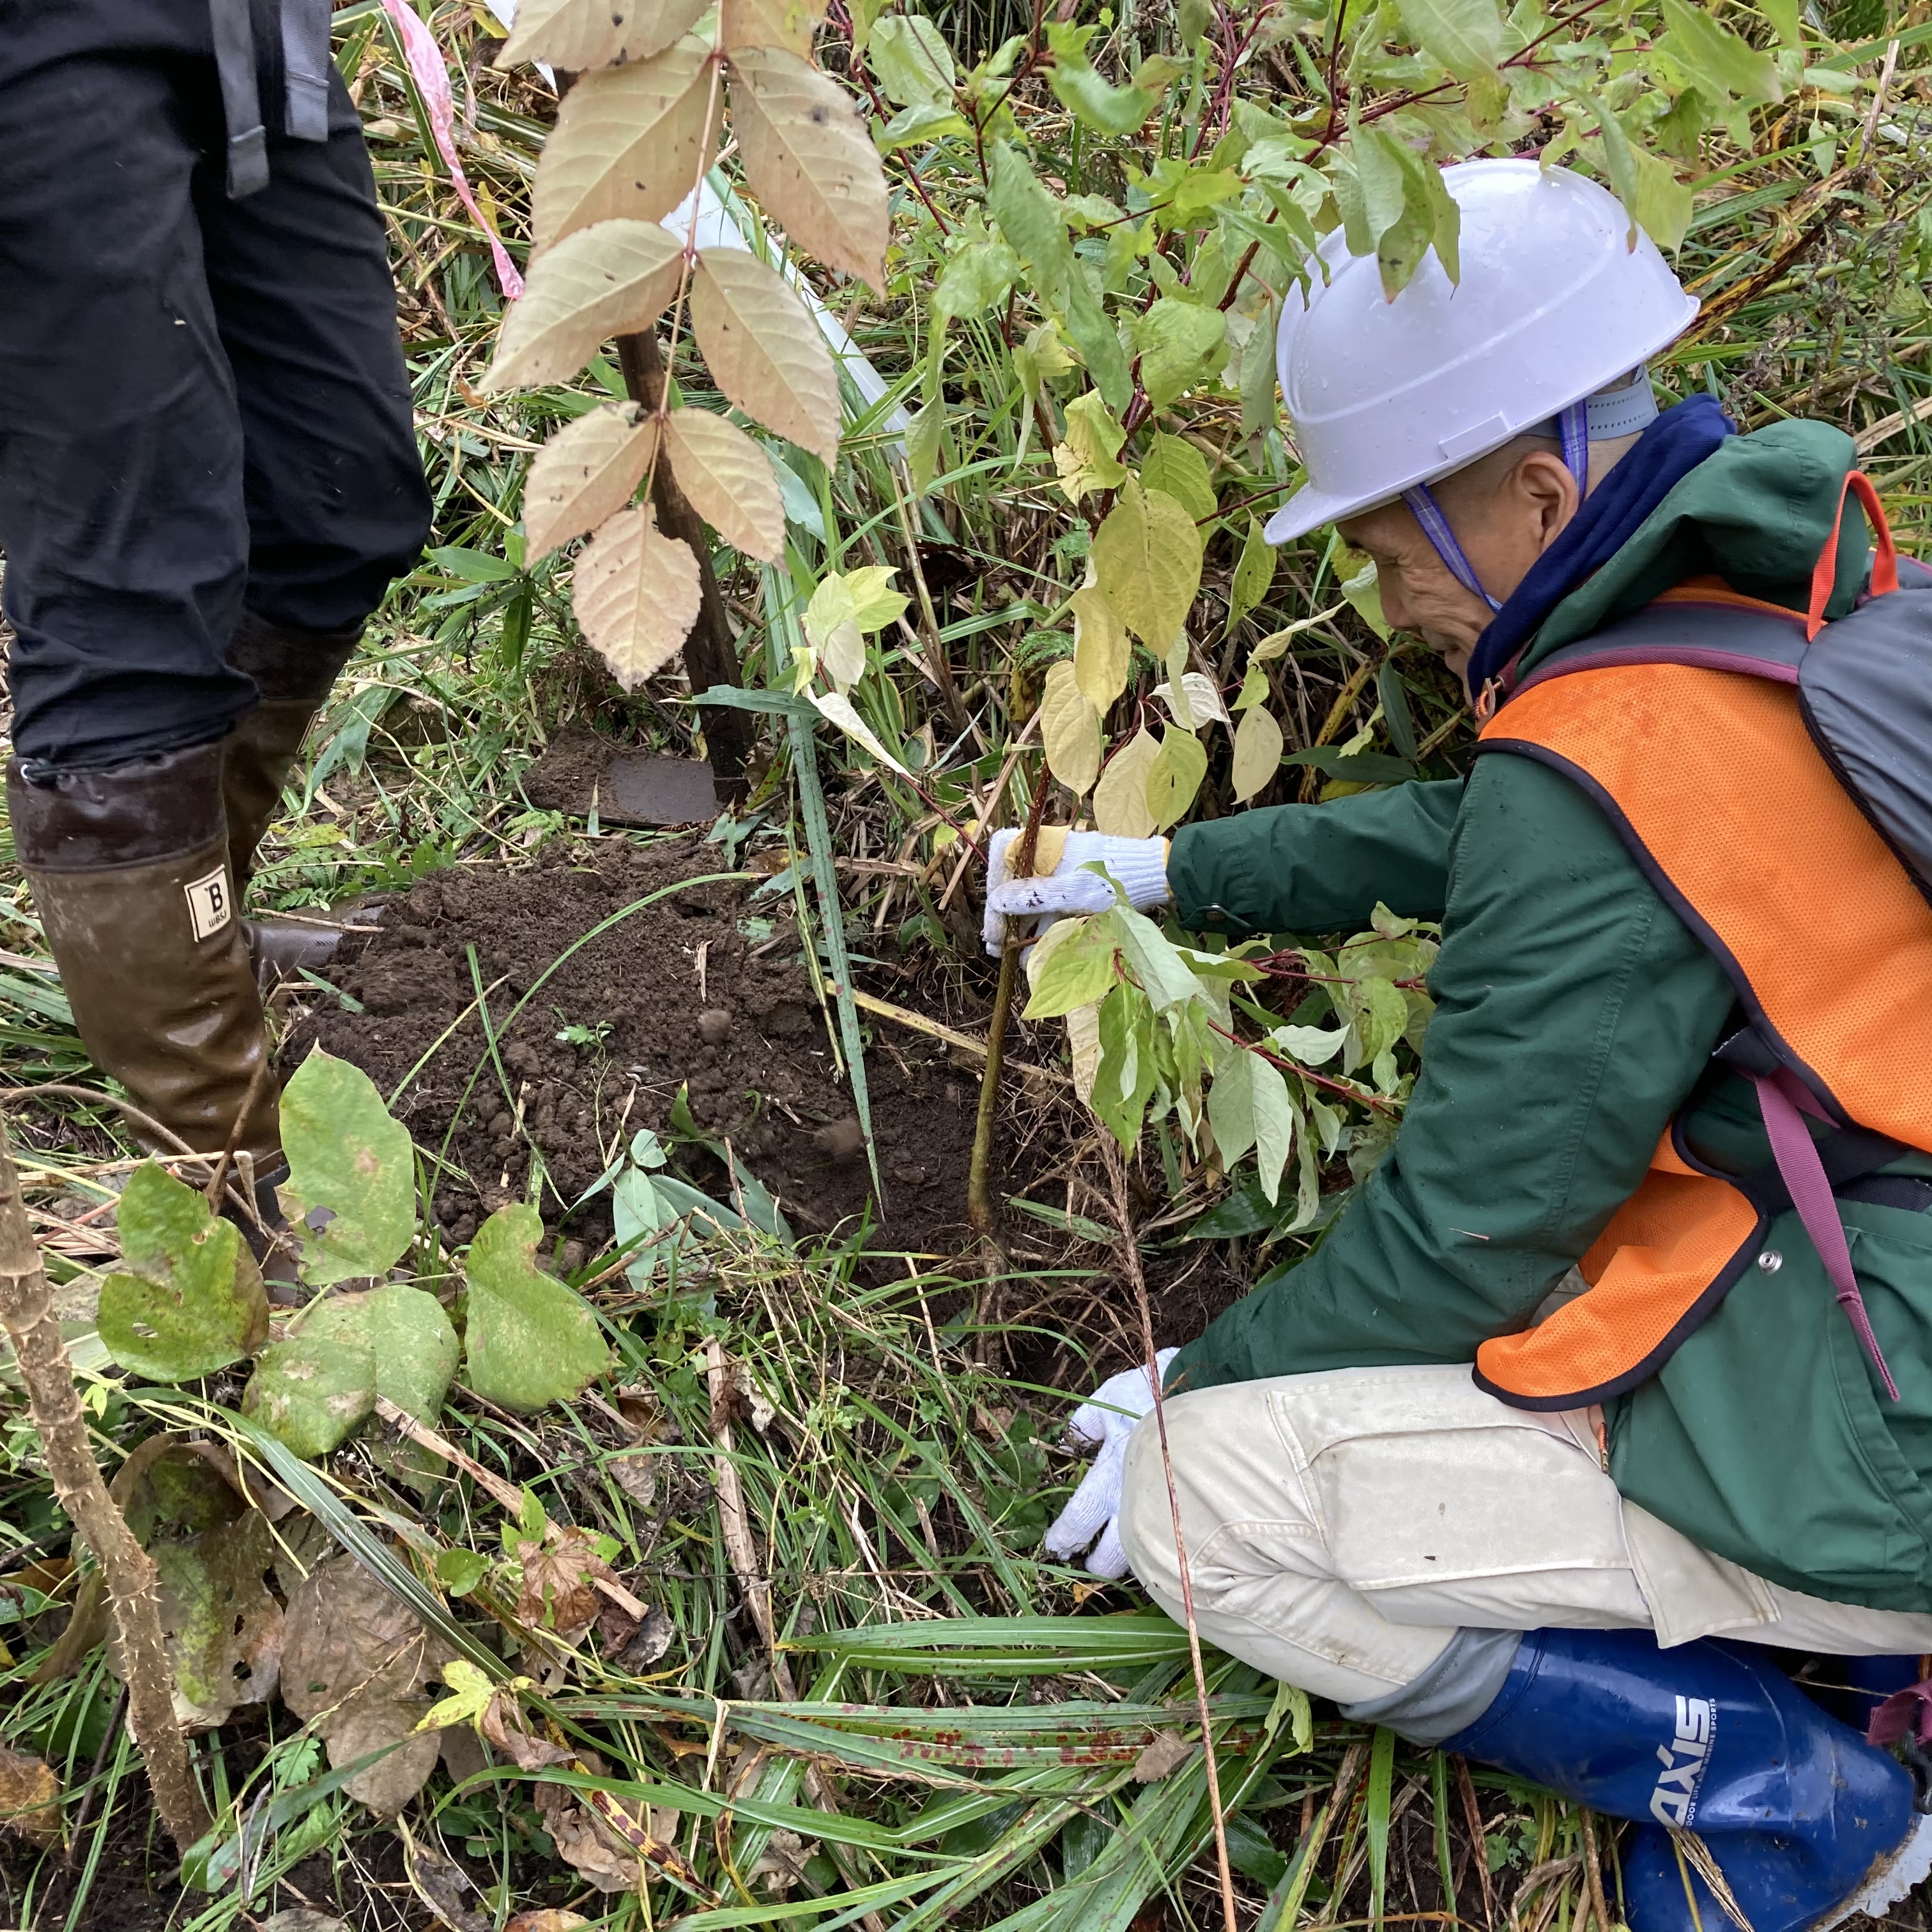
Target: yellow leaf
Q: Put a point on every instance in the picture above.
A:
(610, 280)
(1120, 798)
(636, 595)
(1195, 702)
(628, 143)
(789, 24)
(729, 480)
(1146, 558)
(1174, 776)
(578, 35)
(470, 1692)
(1069, 728)
(1102, 655)
(840, 709)
(810, 160)
(1274, 644)
(1257, 751)
(764, 351)
(843, 654)
(587, 472)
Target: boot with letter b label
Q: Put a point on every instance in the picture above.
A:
(1754, 1807)
(211, 904)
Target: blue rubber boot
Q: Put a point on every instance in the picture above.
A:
(1806, 1823)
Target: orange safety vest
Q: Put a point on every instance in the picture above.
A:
(1764, 769)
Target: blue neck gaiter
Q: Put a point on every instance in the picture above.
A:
(1667, 452)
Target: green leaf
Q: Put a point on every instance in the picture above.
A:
(1098, 342)
(1174, 465)
(926, 445)
(1087, 95)
(1786, 17)
(1231, 1110)
(191, 1300)
(1723, 63)
(1259, 404)
(1078, 971)
(1162, 974)
(529, 1339)
(1126, 1076)
(406, 1330)
(1088, 460)
(1395, 709)
(1175, 775)
(913, 62)
(1181, 346)
(1663, 205)
(1466, 36)
(1147, 560)
(1356, 767)
(350, 1195)
(1254, 574)
(459, 1571)
(975, 277)
(309, 1393)
(1031, 220)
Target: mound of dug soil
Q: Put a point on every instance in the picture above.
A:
(700, 989)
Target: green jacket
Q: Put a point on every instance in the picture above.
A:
(1576, 1014)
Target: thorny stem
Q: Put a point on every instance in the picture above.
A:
(1130, 1259)
(26, 1310)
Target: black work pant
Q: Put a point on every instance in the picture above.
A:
(203, 406)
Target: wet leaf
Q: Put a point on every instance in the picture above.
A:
(191, 1300)
(353, 1660)
(30, 1796)
(350, 1196)
(530, 1340)
(610, 279)
(636, 593)
(729, 482)
(763, 349)
(405, 1330)
(309, 1393)
(810, 160)
(585, 473)
(223, 1625)
(559, 1592)
(628, 142)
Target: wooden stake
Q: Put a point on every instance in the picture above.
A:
(26, 1309)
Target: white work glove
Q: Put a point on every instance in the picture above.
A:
(1103, 1422)
(1139, 865)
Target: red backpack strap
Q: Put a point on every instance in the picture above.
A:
(1825, 572)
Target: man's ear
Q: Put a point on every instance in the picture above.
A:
(1542, 486)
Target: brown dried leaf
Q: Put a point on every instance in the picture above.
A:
(764, 350)
(298, 1919)
(789, 24)
(637, 1475)
(545, 1921)
(583, 1840)
(611, 279)
(1166, 1754)
(810, 160)
(636, 595)
(368, 1723)
(558, 1590)
(628, 143)
(503, 1725)
(223, 1625)
(577, 35)
(30, 1796)
(782, 1861)
(729, 480)
(443, 1885)
(585, 475)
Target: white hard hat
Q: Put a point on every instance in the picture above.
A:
(1554, 304)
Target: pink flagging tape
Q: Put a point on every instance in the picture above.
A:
(432, 78)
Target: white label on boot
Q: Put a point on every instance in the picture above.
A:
(210, 904)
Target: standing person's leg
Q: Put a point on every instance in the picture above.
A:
(121, 519)
(337, 506)
(1466, 1573)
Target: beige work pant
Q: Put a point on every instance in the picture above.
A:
(1342, 1527)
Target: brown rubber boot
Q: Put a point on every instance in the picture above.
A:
(128, 867)
(293, 670)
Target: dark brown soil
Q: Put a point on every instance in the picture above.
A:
(686, 992)
(567, 773)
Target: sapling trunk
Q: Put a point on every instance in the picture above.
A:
(26, 1308)
(710, 652)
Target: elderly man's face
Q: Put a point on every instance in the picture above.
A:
(1506, 511)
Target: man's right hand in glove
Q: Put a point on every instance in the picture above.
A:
(1104, 1422)
(1138, 865)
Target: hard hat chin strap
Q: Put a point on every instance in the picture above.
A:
(1572, 430)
